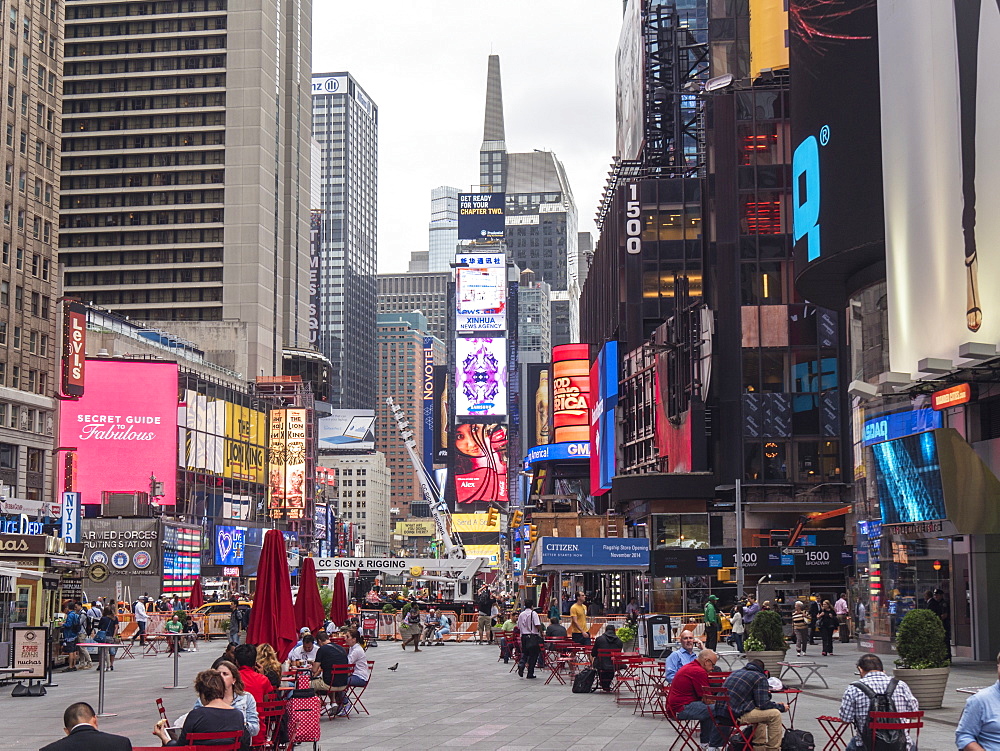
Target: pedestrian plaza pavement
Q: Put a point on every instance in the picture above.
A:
(452, 696)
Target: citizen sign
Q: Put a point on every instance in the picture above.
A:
(562, 548)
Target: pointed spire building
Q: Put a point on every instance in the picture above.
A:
(493, 152)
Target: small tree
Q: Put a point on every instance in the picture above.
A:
(326, 597)
(920, 641)
(764, 633)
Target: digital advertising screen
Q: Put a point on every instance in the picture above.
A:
(348, 429)
(480, 463)
(124, 428)
(481, 216)
(908, 479)
(230, 544)
(481, 377)
(481, 298)
(287, 463)
(571, 392)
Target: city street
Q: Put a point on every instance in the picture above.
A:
(455, 696)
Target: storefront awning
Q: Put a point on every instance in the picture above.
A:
(554, 554)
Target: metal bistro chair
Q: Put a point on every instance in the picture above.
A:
(904, 721)
(235, 739)
(716, 695)
(328, 700)
(271, 714)
(354, 692)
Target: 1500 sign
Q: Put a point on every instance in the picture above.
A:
(633, 220)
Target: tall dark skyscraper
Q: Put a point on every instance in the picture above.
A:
(345, 124)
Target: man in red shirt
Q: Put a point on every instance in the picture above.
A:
(686, 697)
(256, 684)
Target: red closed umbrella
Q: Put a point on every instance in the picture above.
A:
(197, 598)
(543, 598)
(308, 604)
(272, 620)
(338, 607)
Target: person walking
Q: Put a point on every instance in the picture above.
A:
(530, 626)
(83, 654)
(235, 621)
(827, 625)
(414, 628)
(107, 630)
(70, 628)
(579, 631)
(800, 627)
(484, 605)
(141, 619)
(713, 623)
(814, 616)
(842, 610)
(939, 606)
(737, 631)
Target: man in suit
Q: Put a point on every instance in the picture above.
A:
(80, 726)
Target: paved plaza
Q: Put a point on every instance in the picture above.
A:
(453, 696)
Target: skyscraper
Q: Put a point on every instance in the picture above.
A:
(541, 216)
(185, 169)
(424, 292)
(442, 231)
(345, 124)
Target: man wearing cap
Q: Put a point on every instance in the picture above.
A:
(712, 623)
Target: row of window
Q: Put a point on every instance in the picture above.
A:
(142, 180)
(148, 122)
(39, 305)
(147, 296)
(156, 141)
(165, 276)
(135, 28)
(141, 218)
(39, 267)
(34, 458)
(137, 257)
(42, 190)
(173, 313)
(40, 229)
(135, 104)
(25, 379)
(134, 65)
(161, 198)
(76, 11)
(35, 342)
(157, 83)
(156, 44)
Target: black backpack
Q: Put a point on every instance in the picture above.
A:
(797, 740)
(585, 681)
(885, 740)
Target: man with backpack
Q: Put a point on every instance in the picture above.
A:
(875, 692)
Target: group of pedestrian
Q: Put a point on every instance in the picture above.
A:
(418, 628)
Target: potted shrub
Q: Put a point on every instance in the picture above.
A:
(627, 634)
(923, 657)
(766, 641)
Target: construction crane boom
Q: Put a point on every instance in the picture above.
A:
(434, 496)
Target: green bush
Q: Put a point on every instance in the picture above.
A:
(765, 631)
(626, 634)
(920, 641)
(388, 608)
(326, 597)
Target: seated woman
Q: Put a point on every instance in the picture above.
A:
(237, 696)
(214, 715)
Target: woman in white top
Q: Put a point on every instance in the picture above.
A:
(355, 656)
(737, 631)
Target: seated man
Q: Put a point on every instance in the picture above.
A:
(857, 701)
(431, 624)
(686, 697)
(750, 700)
(979, 728)
(80, 726)
(555, 630)
(444, 630)
(681, 657)
(304, 656)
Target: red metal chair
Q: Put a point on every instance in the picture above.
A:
(328, 700)
(687, 732)
(835, 729)
(716, 695)
(235, 739)
(354, 693)
(905, 721)
(270, 714)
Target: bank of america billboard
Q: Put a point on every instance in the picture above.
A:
(481, 216)
(481, 298)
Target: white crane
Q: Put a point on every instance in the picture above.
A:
(434, 496)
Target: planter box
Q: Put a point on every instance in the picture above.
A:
(770, 660)
(928, 685)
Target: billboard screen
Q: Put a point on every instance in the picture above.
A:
(286, 463)
(348, 429)
(124, 428)
(315, 236)
(481, 216)
(536, 417)
(230, 544)
(245, 443)
(428, 404)
(571, 392)
(481, 377)
(908, 478)
(181, 558)
(128, 547)
(604, 379)
(442, 427)
(74, 347)
(481, 298)
(768, 35)
(629, 79)
(938, 207)
(480, 470)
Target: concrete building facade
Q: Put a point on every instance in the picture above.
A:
(426, 292)
(361, 497)
(185, 193)
(345, 124)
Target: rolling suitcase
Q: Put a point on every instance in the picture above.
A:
(303, 712)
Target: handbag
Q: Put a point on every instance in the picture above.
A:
(101, 637)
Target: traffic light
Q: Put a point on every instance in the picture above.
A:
(491, 517)
(724, 574)
(532, 533)
(516, 518)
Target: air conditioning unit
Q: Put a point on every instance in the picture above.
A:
(116, 503)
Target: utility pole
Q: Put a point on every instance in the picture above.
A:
(739, 540)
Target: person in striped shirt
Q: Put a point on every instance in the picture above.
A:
(800, 625)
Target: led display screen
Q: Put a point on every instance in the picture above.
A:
(481, 298)
(287, 463)
(124, 428)
(480, 463)
(908, 479)
(230, 543)
(571, 392)
(481, 377)
(481, 216)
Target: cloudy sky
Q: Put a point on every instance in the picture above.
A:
(423, 62)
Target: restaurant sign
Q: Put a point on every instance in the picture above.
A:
(29, 652)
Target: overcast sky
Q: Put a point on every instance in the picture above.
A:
(423, 62)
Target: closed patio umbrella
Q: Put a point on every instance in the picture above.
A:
(308, 604)
(272, 620)
(338, 607)
(197, 598)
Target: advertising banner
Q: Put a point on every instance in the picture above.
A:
(536, 418)
(481, 259)
(768, 35)
(74, 347)
(287, 463)
(899, 424)
(943, 106)
(603, 441)
(481, 298)
(230, 543)
(481, 377)
(415, 529)
(442, 425)
(348, 429)
(71, 517)
(611, 552)
(462, 523)
(827, 559)
(181, 558)
(571, 392)
(484, 551)
(480, 468)
(124, 428)
(557, 452)
(127, 547)
(315, 236)
(28, 652)
(481, 216)
(204, 421)
(245, 452)
(427, 416)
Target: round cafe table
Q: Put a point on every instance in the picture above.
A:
(102, 648)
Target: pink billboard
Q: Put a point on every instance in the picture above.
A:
(124, 428)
